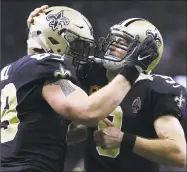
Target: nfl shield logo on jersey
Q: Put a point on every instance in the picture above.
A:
(136, 105)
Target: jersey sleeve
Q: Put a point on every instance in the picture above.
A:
(168, 98)
(45, 67)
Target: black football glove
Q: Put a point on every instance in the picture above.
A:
(142, 54)
(139, 56)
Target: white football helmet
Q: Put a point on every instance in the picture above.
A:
(120, 37)
(61, 30)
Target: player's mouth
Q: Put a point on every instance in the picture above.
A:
(117, 52)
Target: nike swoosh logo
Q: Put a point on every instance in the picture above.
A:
(139, 58)
(79, 26)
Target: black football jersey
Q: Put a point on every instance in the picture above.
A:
(95, 79)
(33, 136)
(149, 98)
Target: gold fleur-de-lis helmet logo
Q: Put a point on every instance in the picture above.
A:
(155, 35)
(57, 20)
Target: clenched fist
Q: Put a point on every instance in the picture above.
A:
(108, 138)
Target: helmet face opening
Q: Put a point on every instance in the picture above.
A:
(114, 46)
(80, 49)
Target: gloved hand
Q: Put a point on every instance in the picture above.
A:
(142, 54)
(139, 56)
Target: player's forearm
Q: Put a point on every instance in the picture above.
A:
(104, 101)
(101, 103)
(167, 151)
(89, 110)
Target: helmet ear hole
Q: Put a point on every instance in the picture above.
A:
(53, 41)
(59, 50)
(38, 32)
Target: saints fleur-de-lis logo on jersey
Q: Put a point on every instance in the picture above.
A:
(155, 36)
(57, 20)
(62, 73)
(180, 100)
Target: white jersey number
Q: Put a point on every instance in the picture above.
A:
(9, 119)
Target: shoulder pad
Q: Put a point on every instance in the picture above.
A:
(45, 66)
(166, 85)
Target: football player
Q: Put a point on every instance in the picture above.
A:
(144, 130)
(40, 93)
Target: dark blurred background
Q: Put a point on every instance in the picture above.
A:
(168, 16)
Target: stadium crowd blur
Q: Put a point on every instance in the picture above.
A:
(168, 16)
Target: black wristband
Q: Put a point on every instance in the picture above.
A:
(128, 143)
(130, 72)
